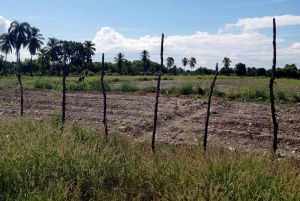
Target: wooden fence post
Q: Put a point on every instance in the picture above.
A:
(104, 100)
(208, 107)
(273, 110)
(157, 92)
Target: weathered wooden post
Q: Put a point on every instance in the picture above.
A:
(64, 95)
(104, 99)
(157, 92)
(208, 107)
(273, 110)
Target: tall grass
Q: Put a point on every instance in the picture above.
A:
(37, 162)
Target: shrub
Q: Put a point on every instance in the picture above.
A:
(279, 95)
(232, 95)
(127, 87)
(186, 88)
(74, 86)
(38, 84)
(95, 85)
(200, 91)
(144, 79)
(253, 93)
(218, 93)
(295, 98)
(149, 89)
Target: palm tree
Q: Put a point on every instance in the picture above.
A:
(43, 58)
(34, 43)
(5, 45)
(192, 62)
(184, 62)
(226, 62)
(119, 59)
(89, 49)
(52, 48)
(170, 62)
(144, 56)
(19, 33)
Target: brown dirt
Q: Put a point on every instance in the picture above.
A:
(180, 119)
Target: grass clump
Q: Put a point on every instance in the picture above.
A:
(127, 87)
(37, 161)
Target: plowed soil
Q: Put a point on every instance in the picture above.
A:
(181, 120)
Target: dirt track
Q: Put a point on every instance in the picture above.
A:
(180, 119)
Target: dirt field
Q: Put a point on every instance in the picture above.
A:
(180, 120)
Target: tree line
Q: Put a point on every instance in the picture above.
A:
(50, 59)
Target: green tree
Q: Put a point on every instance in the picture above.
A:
(291, 71)
(5, 44)
(184, 62)
(240, 69)
(19, 33)
(119, 60)
(261, 72)
(170, 62)
(192, 62)
(226, 62)
(34, 43)
(144, 56)
(43, 59)
(53, 47)
(90, 49)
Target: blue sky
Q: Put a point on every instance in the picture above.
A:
(208, 30)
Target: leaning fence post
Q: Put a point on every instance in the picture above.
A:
(208, 107)
(157, 92)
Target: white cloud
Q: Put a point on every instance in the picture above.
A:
(4, 25)
(251, 24)
(251, 48)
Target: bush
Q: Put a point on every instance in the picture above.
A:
(95, 85)
(295, 98)
(38, 84)
(232, 95)
(254, 94)
(127, 87)
(149, 89)
(186, 88)
(279, 95)
(218, 93)
(200, 91)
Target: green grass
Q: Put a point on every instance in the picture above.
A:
(38, 162)
(228, 87)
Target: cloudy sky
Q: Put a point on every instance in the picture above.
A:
(208, 30)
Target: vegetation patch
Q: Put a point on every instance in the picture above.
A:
(38, 161)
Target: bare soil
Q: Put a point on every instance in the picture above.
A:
(181, 120)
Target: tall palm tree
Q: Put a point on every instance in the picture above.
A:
(144, 56)
(119, 59)
(5, 44)
(192, 62)
(170, 62)
(184, 62)
(89, 50)
(43, 58)
(226, 62)
(52, 47)
(34, 43)
(19, 33)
